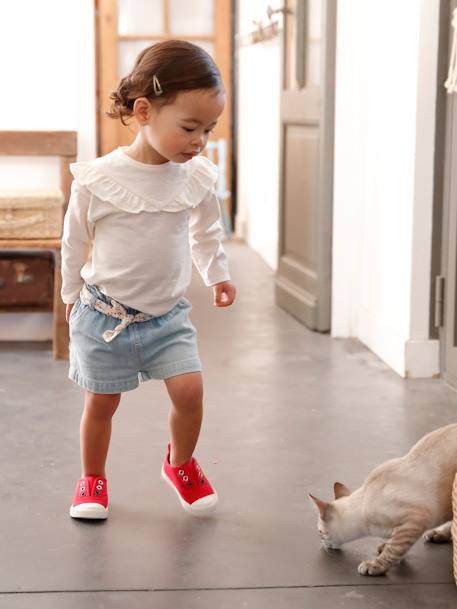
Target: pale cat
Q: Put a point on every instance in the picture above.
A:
(400, 500)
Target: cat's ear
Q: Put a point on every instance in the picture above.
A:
(322, 506)
(340, 490)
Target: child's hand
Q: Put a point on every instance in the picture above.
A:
(224, 294)
(68, 312)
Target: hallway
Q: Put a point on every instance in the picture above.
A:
(287, 412)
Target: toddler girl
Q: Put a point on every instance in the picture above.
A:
(136, 219)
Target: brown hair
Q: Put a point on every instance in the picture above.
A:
(177, 64)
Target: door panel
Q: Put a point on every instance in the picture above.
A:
(307, 99)
(191, 17)
(140, 17)
(301, 149)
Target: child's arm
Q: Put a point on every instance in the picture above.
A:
(207, 252)
(78, 233)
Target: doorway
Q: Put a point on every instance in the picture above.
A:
(303, 280)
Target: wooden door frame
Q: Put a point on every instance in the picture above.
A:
(234, 79)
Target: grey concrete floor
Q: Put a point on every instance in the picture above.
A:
(287, 412)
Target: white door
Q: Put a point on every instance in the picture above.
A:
(307, 107)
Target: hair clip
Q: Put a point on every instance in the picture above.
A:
(156, 84)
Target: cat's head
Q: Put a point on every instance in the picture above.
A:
(331, 522)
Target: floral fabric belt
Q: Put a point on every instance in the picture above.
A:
(115, 309)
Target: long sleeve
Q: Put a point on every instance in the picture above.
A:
(205, 232)
(78, 234)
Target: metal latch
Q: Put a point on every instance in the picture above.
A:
(439, 301)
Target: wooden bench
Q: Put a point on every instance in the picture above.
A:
(62, 144)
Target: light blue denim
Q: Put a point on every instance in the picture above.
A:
(159, 348)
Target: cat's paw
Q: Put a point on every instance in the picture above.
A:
(436, 536)
(371, 567)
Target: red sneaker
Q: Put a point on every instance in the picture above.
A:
(194, 491)
(90, 499)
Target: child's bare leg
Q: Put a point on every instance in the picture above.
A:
(185, 418)
(95, 431)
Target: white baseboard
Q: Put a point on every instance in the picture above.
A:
(422, 358)
(409, 358)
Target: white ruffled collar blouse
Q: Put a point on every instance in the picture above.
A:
(134, 186)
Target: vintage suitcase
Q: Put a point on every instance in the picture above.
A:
(26, 281)
(31, 214)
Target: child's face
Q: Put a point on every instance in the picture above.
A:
(180, 130)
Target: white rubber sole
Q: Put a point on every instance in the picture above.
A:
(89, 510)
(202, 507)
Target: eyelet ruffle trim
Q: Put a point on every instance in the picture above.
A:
(202, 178)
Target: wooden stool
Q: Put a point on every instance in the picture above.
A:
(63, 145)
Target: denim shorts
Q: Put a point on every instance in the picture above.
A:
(158, 348)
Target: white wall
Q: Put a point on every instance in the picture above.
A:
(385, 117)
(258, 137)
(48, 83)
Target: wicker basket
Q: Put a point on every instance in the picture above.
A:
(454, 527)
(30, 214)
